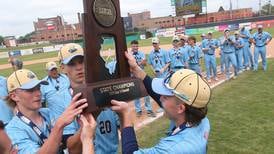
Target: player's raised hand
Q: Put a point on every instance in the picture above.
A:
(75, 108)
(134, 67)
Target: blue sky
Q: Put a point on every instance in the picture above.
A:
(17, 16)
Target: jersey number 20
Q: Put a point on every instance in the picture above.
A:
(105, 127)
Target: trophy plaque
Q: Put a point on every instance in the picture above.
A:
(102, 22)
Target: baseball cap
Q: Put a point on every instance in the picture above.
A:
(236, 33)
(226, 30)
(210, 32)
(175, 38)
(155, 40)
(260, 26)
(51, 65)
(186, 85)
(23, 79)
(69, 51)
(203, 35)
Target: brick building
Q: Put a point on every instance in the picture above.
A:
(10, 41)
(170, 21)
(137, 18)
(56, 30)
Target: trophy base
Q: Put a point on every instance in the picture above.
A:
(100, 94)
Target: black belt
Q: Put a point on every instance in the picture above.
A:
(178, 67)
(228, 52)
(259, 46)
(210, 54)
(193, 63)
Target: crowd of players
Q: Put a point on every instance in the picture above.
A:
(33, 129)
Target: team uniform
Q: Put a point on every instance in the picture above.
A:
(158, 59)
(106, 137)
(5, 111)
(25, 136)
(178, 58)
(239, 52)
(183, 139)
(194, 56)
(140, 56)
(260, 48)
(248, 60)
(229, 56)
(210, 59)
(57, 95)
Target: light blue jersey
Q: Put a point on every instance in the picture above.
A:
(158, 59)
(24, 137)
(189, 141)
(139, 56)
(227, 46)
(5, 111)
(208, 44)
(57, 95)
(106, 137)
(178, 58)
(195, 54)
(261, 38)
(246, 34)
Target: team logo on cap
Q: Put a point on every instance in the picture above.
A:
(72, 50)
(30, 75)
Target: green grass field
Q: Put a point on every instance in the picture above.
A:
(24, 47)
(241, 116)
(31, 57)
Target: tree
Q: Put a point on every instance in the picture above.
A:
(1, 40)
(26, 38)
(267, 9)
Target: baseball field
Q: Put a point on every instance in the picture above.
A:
(241, 111)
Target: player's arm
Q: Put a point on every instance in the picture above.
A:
(52, 144)
(129, 141)
(140, 74)
(269, 38)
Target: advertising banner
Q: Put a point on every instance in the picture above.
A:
(185, 7)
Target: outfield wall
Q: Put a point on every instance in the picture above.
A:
(31, 51)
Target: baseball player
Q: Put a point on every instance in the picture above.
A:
(260, 40)
(178, 93)
(229, 53)
(239, 44)
(158, 59)
(34, 129)
(208, 47)
(246, 36)
(106, 140)
(178, 55)
(141, 61)
(194, 55)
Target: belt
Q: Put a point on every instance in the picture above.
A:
(210, 54)
(259, 46)
(178, 67)
(193, 63)
(228, 52)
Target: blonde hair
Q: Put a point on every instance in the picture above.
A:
(11, 103)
